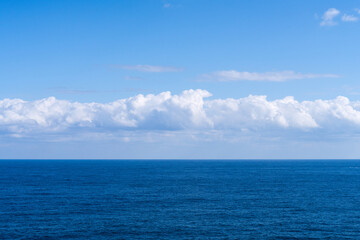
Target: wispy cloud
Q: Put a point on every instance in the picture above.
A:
(328, 17)
(133, 78)
(69, 91)
(349, 18)
(232, 75)
(167, 5)
(149, 68)
(64, 90)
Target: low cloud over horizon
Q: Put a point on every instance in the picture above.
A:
(187, 111)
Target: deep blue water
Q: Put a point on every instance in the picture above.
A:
(179, 199)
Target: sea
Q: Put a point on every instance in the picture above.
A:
(179, 199)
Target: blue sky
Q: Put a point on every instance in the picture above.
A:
(108, 52)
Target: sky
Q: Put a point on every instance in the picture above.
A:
(167, 79)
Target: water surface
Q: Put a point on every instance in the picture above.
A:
(102, 199)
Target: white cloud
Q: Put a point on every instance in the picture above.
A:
(133, 78)
(150, 68)
(328, 17)
(349, 18)
(188, 111)
(232, 75)
(167, 5)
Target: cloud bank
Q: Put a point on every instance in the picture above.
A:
(232, 75)
(189, 110)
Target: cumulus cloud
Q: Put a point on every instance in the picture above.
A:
(162, 111)
(349, 18)
(187, 111)
(232, 75)
(328, 17)
(149, 68)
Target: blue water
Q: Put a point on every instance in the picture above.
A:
(179, 199)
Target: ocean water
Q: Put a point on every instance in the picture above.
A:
(101, 199)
